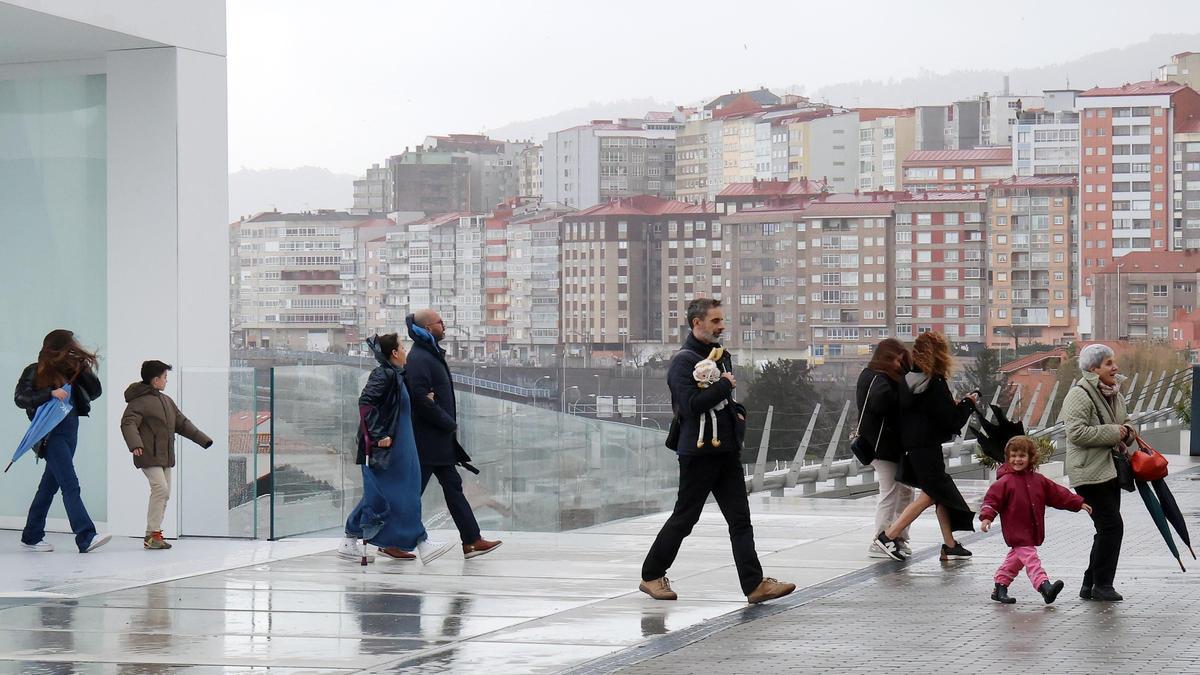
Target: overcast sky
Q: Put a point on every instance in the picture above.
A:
(343, 84)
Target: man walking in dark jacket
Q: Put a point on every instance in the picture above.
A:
(435, 422)
(709, 449)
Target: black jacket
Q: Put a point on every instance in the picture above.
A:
(379, 402)
(929, 412)
(434, 421)
(690, 402)
(880, 421)
(29, 397)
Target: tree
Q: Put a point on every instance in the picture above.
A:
(1067, 374)
(787, 385)
(984, 374)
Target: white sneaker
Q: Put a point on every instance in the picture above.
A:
(42, 546)
(873, 551)
(430, 550)
(98, 541)
(902, 546)
(353, 549)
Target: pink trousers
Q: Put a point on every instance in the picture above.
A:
(1018, 557)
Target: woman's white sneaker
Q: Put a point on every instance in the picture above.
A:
(430, 550)
(98, 541)
(42, 546)
(353, 549)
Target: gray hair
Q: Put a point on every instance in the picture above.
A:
(1092, 356)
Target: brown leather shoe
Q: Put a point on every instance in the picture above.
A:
(769, 589)
(480, 548)
(659, 589)
(397, 553)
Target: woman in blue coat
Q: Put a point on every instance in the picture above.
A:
(389, 514)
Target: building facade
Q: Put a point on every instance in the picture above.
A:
(531, 173)
(629, 268)
(1046, 140)
(1184, 68)
(956, 170)
(1139, 296)
(1032, 260)
(592, 163)
(290, 280)
(886, 137)
(373, 193)
(938, 266)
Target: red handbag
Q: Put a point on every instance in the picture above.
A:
(1148, 463)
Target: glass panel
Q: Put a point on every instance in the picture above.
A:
(53, 272)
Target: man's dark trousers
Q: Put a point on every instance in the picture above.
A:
(456, 501)
(699, 475)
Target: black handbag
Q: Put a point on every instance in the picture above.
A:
(1124, 469)
(673, 434)
(864, 452)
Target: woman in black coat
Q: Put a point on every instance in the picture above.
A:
(930, 417)
(878, 398)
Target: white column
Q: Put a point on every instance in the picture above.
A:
(168, 285)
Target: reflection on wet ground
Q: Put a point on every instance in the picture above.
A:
(543, 603)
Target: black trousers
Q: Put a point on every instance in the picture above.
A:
(456, 501)
(699, 476)
(1105, 500)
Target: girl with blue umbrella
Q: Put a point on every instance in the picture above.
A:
(64, 372)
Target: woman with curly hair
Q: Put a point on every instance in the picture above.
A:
(930, 417)
(62, 361)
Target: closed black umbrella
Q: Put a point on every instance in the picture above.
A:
(1160, 519)
(1172, 513)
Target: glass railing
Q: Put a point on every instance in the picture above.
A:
(287, 466)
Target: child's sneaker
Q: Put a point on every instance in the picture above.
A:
(155, 542)
(1050, 591)
(955, 552)
(887, 546)
(1000, 595)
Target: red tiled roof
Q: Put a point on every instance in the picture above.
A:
(1150, 262)
(1146, 88)
(1045, 180)
(876, 204)
(1031, 359)
(642, 205)
(773, 188)
(974, 155)
(870, 114)
(439, 218)
(949, 196)
(742, 104)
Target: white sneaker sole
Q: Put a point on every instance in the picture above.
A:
(877, 547)
(38, 548)
(100, 540)
(356, 557)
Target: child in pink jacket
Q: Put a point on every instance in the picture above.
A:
(1020, 497)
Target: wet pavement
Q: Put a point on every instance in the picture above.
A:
(930, 616)
(553, 602)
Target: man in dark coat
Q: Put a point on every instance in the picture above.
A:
(435, 421)
(707, 421)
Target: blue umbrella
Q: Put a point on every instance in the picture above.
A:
(44, 420)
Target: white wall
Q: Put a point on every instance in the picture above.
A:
(168, 269)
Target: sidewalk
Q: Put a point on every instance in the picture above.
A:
(541, 603)
(929, 616)
(549, 602)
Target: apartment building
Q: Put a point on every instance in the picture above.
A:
(956, 170)
(1046, 139)
(1033, 253)
(691, 159)
(1140, 295)
(531, 173)
(289, 280)
(629, 268)
(757, 193)
(534, 286)
(1185, 202)
(458, 172)
(1184, 68)
(886, 137)
(938, 266)
(373, 192)
(848, 241)
(592, 163)
(765, 276)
